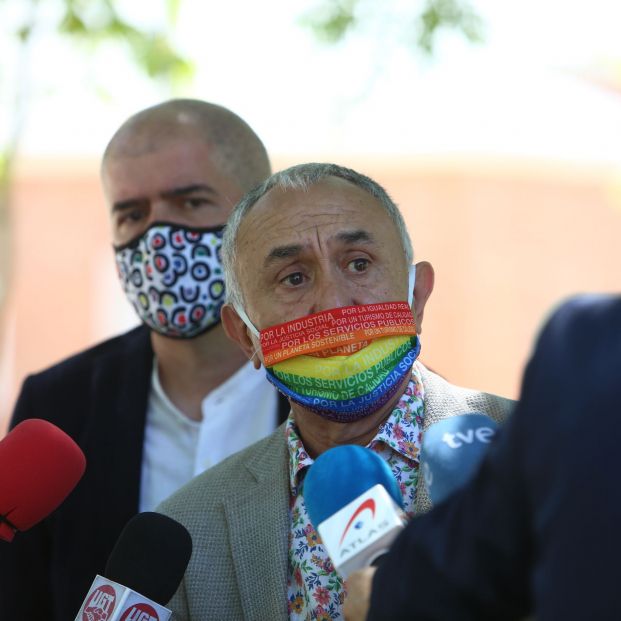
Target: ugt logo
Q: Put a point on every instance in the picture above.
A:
(100, 604)
(140, 612)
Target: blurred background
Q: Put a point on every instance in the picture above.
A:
(496, 126)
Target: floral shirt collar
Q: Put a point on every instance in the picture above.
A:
(393, 433)
(315, 591)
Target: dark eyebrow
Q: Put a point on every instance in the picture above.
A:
(172, 193)
(293, 250)
(282, 252)
(187, 189)
(129, 204)
(355, 237)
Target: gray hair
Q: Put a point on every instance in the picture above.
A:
(237, 150)
(300, 177)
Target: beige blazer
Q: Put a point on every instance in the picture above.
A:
(238, 516)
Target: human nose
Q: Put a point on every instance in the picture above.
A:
(153, 212)
(159, 212)
(330, 292)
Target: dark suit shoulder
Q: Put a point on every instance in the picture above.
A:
(64, 390)
(580, 327)
(82, 362)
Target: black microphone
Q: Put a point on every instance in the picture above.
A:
(143, 572)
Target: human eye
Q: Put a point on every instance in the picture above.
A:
(295, 279)
(130, 215)
(195, 202)
(135, 215)
(358, 265)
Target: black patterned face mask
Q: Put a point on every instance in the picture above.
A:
(172, 275)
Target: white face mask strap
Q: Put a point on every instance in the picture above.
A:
(242, 314)
(411, 282)
(255, 354)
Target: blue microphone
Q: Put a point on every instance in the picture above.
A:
(355, 504)
(452, 450)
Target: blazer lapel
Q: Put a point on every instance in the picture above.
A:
(441, 400)
(120, 388)
(258, 521)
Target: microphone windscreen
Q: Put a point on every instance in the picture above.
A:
(340, 475)
(150, 556)
(39, 465)
(452, 450)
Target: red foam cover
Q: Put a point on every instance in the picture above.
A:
(39, 466)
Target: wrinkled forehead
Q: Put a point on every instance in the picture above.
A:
(152, 133)
(161, 166)
(287, 222)
(326, 202)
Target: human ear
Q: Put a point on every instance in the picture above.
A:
(423, 287)
(238, 332)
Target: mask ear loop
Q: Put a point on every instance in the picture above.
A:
(411, 283)
(244, 317)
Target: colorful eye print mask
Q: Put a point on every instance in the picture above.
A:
(172, 276)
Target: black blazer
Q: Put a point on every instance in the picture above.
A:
(99, 397)
(537, 529)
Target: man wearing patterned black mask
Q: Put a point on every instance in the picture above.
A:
(153, 407)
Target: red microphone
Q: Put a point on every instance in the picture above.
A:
(39, 465)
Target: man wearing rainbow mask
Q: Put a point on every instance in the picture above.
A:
(321, 291)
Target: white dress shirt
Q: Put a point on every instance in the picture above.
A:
(236, 414)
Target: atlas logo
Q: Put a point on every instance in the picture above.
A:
(140, 612)
(369, 503)
(100, 604)
(363, 539)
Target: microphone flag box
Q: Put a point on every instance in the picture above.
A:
(110, 601)
(362, 530)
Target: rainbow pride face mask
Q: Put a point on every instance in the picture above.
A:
(344, 363)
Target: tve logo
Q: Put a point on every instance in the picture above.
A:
(452, 450)
(100, 604)
(140, 612)
(457, 440)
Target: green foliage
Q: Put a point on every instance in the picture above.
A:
(449, 14)
(334, 19)
(158, 59)
(93, 23)
(172, 10)
(90, 23)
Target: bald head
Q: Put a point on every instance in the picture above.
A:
(236, 150)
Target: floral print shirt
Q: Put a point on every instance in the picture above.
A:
(315, 591)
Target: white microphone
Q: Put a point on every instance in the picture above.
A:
(355, 504)
(110, 601)
(143, 572)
